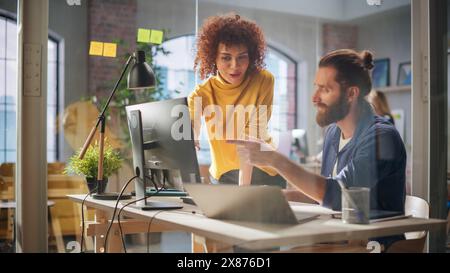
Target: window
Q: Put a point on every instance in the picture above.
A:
(284, 70)
(177, 70)
(52, 100)
(8, 92)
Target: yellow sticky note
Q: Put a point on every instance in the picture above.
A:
(156, 37)
(110, 50)
(96, 49)
(143, 35)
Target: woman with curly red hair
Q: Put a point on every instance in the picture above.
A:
(231, 51)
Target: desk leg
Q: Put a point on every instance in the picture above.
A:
(114, 240)
(198, 244)
(99, 240)
(202, 244)
(88, 240)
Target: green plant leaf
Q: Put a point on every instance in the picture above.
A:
(88, 166)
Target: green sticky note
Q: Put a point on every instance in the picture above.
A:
(143, 35)
(156, 37)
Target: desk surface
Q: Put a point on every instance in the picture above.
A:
(259, 236)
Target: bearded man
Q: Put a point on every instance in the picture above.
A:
(360, 149)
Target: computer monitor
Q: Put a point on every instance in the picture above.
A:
(162, 145)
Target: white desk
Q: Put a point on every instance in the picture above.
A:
(256, 236)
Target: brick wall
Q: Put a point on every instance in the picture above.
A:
(336, 36)
(109, 21)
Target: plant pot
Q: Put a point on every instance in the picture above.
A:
(94, 186)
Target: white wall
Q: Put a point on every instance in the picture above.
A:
(326, 9)
(70, 24)
(388, 35)
(9, 5)
(338, 10)
(359, 8)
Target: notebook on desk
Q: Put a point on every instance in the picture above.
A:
(380, 215)
(263, 204)
(386, 215)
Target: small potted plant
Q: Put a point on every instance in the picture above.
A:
(88, 166)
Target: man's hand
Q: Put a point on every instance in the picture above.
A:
(258, 153)
(255, 152)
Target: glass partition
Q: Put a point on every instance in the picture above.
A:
(297, 33)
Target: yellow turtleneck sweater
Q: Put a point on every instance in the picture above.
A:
(256, 90)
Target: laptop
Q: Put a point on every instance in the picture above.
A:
(262, 204)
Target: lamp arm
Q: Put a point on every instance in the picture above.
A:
(101, 116)
(115, 87)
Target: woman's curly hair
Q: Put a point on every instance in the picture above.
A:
(229, 29)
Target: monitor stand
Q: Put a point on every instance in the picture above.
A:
(157, 205)
(111, 196)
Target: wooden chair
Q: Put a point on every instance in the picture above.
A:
(64, 215)
(7, 194)
(415, 241)
(6, 178)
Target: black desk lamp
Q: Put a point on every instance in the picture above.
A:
(140, 76)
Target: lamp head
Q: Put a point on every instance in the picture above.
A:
(141, 74)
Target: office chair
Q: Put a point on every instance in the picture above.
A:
(415, 241)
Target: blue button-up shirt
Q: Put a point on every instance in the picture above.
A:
(375, 157)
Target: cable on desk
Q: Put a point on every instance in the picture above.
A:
(153, 217)
(148, 229)
(105, 245)
(135, 201)
(120, 224)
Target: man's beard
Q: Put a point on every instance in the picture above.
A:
(334, 112)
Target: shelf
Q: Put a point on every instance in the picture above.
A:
(393, 89)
